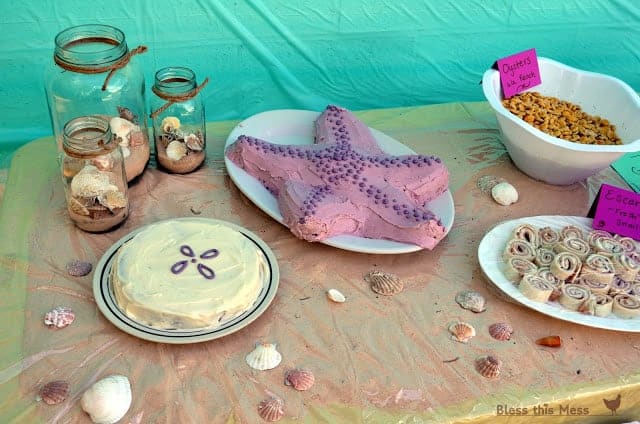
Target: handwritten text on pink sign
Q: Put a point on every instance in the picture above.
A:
(618, 211)
(519, 72)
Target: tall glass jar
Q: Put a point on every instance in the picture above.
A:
(178, 116)
(93, 172)
(95, 73)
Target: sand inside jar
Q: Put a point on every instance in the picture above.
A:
(186, 164)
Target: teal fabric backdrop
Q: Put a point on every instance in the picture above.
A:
(268, 54)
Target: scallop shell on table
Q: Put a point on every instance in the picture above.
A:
(194, 142)
(113, 199)
(54, 392)
(504, 194)
(264, 357)
(384, 283)
(271, 409)
(336, 296)
(471, 300)
(488, 366)
(462, 332)
(108, 400)
(176, 150)
(59, 317)
(91, 184)
(501, 331)
(299, 378)
(78, 268)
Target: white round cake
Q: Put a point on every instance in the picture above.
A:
(187, 274)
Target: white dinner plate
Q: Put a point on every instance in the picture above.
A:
(492, 264)
(297, 127)
(103, 294)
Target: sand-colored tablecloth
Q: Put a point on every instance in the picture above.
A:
(376, 359)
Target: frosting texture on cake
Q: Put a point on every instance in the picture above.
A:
(345, 183)
(187, 274)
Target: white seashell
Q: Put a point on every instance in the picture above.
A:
(471, 300)
(336, 296)
(264, 357)
(126, 152)
(193, 142)
(176, 150)
(121, 128)
(108, 400)
(504, 193)
(113, 199)
(91, 184)
(170, 124)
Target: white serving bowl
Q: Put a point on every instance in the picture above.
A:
(551, 159)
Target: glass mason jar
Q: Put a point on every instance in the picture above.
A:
(178, 116)
(95, 73)
(93, 172)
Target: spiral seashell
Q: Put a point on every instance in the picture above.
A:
(176, 150)
(170, 124)
(504, 194)
(619, 286)
(535, 288)
(462, 332)
(107, 400)
(516, 267)
(271, 409)
(519, 248)
(264, 357)
(501, 331)
(471, 300)
(571, 231)
(336, 296)
(193, 142)
(528, 233)
(59, 317)
(384, 283)
(628, 244)
(573, 295)
(78, 268)
(598, 268)
(91, 184)
(595, 287)
(113, 199)
(54, 392)
(566, 266)
(555, 282)
(548, 237)
(299, 378)
(574, 245)
(626, 306)
(544, 257)
(488, 366)
(625, 267)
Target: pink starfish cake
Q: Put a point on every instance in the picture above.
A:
(345, 183)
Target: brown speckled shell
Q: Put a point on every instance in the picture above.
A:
(462, 332)
(54, 392)
(59, 317)
(488, 366)
(471, 300)
(271, 409)
(77, 268)
(501, 331)
(384, 283)
(299, 379)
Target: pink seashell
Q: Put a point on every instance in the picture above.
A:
(54, 392)
(299, 379)
(501, 331)
(271, 409)
(59, 317)
(77, 268)
(488, 366)
(462, 332)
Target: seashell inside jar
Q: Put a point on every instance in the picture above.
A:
(178, 120)
(133, 141)
(96, 186)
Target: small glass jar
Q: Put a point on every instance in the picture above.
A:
(178, 116)
(95, 73)
(93, 172)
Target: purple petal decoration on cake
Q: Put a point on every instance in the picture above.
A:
(187, 251)
(208, 254)
(179, 266)
(206, 272)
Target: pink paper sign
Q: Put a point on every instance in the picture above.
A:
(617, 211)
(519, 72)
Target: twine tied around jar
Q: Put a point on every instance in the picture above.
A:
(120, 63)
(175, 98)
